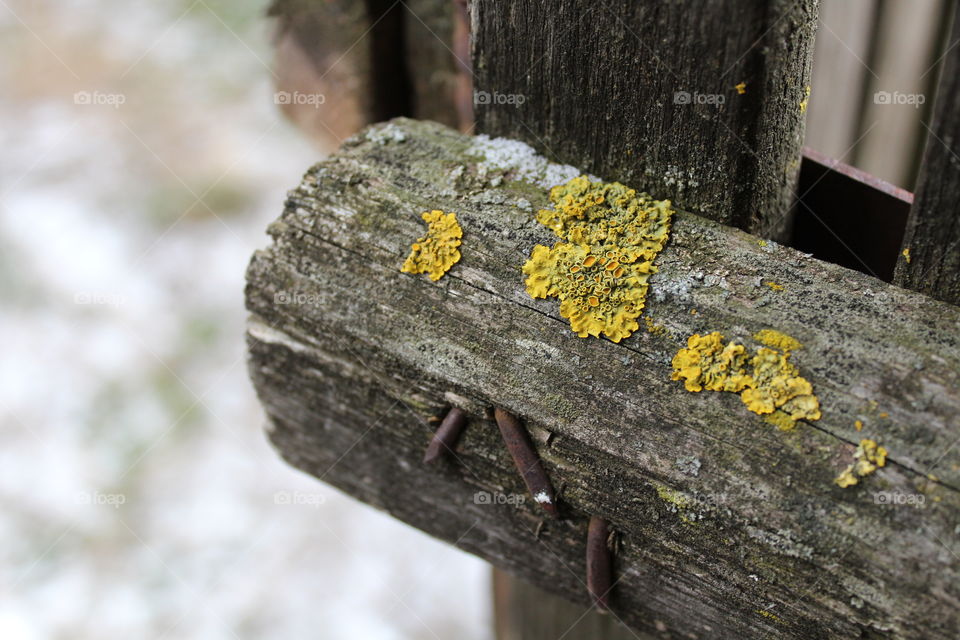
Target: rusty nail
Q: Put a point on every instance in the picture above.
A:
(446, 436)
(599, 563)
(528, 463)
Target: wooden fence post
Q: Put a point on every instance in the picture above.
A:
(727, 525)
(930, 256)
(717, 127)
(702, 103)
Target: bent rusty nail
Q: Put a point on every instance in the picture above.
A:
(599, 564)
(528, 463)
(446, 436)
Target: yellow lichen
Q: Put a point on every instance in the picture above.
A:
(437, 251)
(771, 616)
(600, 270)
(774, 286)
(906, 254)
(767, 381)
(654, 328)
(776, 340)
(781, 420)
(858, 425)
(741, 88)
(806, 99)
(868, 458)
(680, 503)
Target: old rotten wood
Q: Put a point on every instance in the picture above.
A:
(700, 102)
(727, 527)
(930, 260)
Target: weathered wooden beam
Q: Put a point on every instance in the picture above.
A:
(647, 93)
(727, 527)
(930, 257)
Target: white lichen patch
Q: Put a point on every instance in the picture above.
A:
(521, 160)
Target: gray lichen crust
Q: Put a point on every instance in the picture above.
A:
(728, 526)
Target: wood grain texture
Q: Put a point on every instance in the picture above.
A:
(603, 86)
(932, 235)
(727, 527)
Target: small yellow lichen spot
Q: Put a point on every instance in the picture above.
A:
(766, 382)
(868, 458)
(761, 243)
(653, 327)
(600, 271)
(858, 425)
(437, 251)
(780, 420)
(777, 340)
(771, 616)
(774, 286)
(846, 478)
(806, 99)
(906, 254)
(884, 414)
(741, 88)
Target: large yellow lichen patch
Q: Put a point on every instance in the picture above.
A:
(437, 251)
(600, 270)
(766, 380)
(867, 459)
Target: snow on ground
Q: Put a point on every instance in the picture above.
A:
(142, 159)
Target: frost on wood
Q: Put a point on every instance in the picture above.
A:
(719, 516)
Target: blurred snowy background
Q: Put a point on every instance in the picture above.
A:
(142, 158)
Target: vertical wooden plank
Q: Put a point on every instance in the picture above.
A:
(435, 69)
(368, 61)
(900, 89)
(525, 612)
(930, 257)
(317, 55)
(840, 76)
(646, 93)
